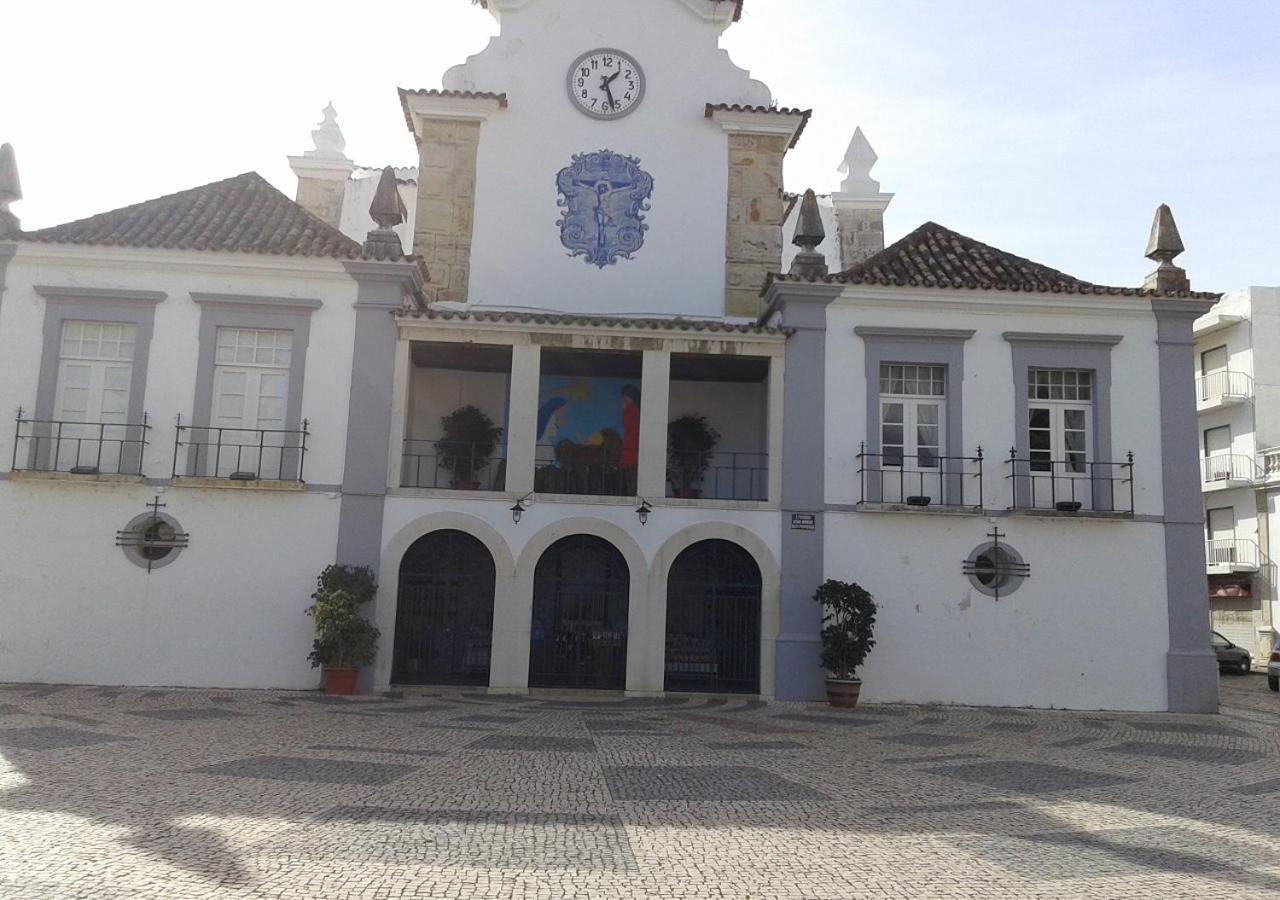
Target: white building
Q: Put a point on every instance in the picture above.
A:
(595, 251)
(1237, 396)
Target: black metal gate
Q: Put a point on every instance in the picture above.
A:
(713, 620)
(580, 593)
(444, 611)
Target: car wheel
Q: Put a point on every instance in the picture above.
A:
(1273, 682)
(1246, 666)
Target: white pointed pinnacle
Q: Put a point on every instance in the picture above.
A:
(328, 136)
(859, 159)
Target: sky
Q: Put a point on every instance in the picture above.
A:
(1049, 129)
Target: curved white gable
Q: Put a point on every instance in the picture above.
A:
(517, 258)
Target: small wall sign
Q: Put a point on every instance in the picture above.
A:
(804, 522)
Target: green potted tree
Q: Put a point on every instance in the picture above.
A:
(345, 640)
(848, 620)
(691, 443)
(470, 438)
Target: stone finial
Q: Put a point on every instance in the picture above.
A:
(387, 211)
(10, 191)
(1163, 246)
(328, 136)
(810, 233)
(859, 160)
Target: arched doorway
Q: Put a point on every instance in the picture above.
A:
(713, 620)
(581, 588)
(444, 611)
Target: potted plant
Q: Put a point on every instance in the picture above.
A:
(849, 617)
(691, 443)
(345, 640)
(470, 438)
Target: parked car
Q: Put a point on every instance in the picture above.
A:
(1273, 668)
(1231, 657)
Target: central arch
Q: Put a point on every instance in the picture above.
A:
(714, 594)
(581, 594)
(444, 611)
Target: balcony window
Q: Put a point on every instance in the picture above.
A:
(717, 437)
(456, 431)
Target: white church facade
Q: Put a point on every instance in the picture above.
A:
(602, 405)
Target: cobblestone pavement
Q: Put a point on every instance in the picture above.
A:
(112, 793)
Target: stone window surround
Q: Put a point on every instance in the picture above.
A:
(1046, 350)
(114, 305)
(133, 553)
(247, 311)
(915, 346)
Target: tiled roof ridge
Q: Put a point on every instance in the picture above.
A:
(804, 114)
(243, 213)
(934, 256)
(548, 317)
(406, 93)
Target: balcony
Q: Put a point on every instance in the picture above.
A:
(1071, 486)
(79, 448)
(1219, 390)
(1227, 556)
(240, 455)
(1228, 470)
(923, 481)
(456, 425)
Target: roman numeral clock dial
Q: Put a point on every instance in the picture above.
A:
(606, 84)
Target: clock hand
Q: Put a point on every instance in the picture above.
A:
(613, 104)
(612, 78)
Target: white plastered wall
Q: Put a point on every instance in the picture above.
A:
(228, 611)
(1074, 635)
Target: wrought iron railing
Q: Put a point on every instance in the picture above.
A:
(1239, 552)
(1224, 385)
(457, 465)
(583, 469)
(921, 479)
(1229, 467)
(726, 475)
(240, 454)
(79, 448)
(1072, 485)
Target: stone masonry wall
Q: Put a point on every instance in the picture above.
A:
(322, 198)
(753, 246)
(861, 234)
(446, 204)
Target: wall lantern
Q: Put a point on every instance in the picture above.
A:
(643, 511)
(518, 511)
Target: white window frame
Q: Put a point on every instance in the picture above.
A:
(1066, 476)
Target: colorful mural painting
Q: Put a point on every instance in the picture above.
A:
(588, 435)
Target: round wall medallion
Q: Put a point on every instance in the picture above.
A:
(996, 569)
(152, 540)
(606, 84)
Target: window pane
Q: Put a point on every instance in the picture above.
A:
(892, 413)
(1040, 417)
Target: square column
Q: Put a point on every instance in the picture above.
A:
(655, 404)
(399, 414)
(522, 438)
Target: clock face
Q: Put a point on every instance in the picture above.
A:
(606, 84)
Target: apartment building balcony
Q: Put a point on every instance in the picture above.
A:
(1229, 556)
(1228, 470)
(1219, 390)
(1270, 464)
(74, 448)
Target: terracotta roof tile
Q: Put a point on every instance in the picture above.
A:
(934, 256)
(524, 317)
(804, 114)
(406, 93)
(244, 214)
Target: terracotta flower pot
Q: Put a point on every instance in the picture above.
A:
(843, 693)
(339, 681)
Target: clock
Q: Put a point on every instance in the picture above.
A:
(606, 84)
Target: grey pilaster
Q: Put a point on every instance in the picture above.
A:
(382, 290)
(804, 310)
(1192, 667)
(7, 251)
